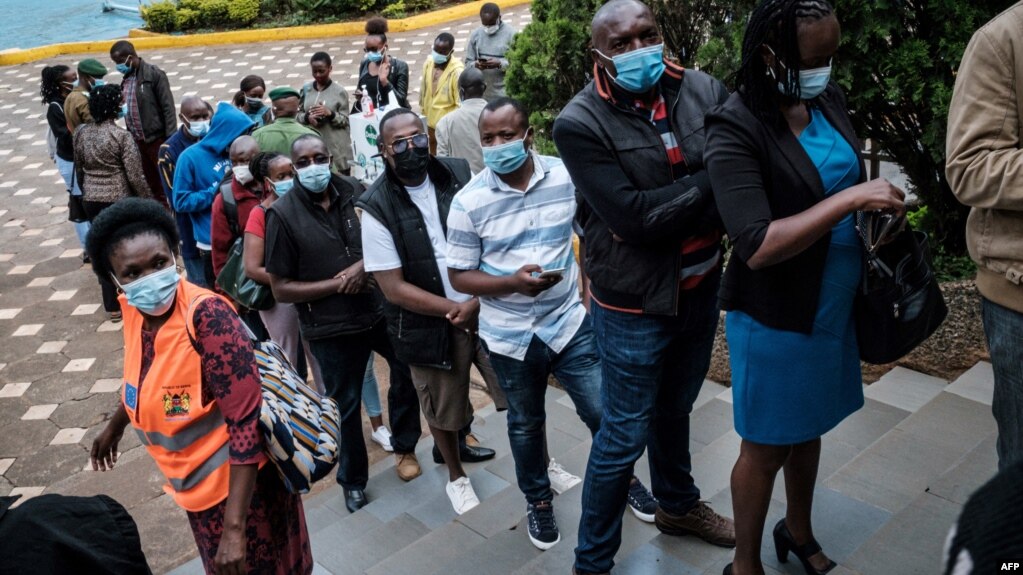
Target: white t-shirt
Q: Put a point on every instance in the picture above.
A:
(380, 254)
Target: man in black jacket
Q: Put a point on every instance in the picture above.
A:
(151, 116)
(314, 258)
(433, 327)
(633, 142)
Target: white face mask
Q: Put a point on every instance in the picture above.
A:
(242, 174)
(491, 30)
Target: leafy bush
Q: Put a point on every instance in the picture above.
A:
(243, 12)
(187, 18)
(161, 16)
(394, 9)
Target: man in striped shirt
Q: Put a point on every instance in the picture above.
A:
(510, 243)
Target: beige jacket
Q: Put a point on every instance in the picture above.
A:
(985, 154)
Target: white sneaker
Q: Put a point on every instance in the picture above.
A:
(462, 495)
(561, 480)
(382, 435)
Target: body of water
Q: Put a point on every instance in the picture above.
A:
(30, 23)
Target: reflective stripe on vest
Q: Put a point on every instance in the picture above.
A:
(186, 437)
(203, 471)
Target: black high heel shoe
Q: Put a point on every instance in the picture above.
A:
(783, 544)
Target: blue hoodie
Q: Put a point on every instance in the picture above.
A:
(201, 168)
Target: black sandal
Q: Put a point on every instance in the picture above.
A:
(783, 544)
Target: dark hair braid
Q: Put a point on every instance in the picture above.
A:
(50, 88)
(260, 165)
(775, 23)
(105, 103)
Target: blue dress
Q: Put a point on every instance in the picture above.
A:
(790, 387)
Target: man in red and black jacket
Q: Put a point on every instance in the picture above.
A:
(632, 141)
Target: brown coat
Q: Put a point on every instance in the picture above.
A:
(109, 163)
(985, 154)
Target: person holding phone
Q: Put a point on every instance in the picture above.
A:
(384, 77)
(487, 47)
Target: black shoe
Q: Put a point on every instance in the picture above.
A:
(783, 543)
(727, 570)
(642, 503)
(355, 499)
(467, 453)
(543, 528)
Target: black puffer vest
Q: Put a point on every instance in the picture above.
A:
(417, 339)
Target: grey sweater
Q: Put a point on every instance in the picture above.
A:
(483, 45)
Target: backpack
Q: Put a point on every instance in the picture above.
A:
(299, 426)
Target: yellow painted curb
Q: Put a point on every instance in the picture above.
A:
(143, 39)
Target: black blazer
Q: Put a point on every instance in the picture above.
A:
(761, 173)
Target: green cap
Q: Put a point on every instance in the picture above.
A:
(283, 92)
(92, 67)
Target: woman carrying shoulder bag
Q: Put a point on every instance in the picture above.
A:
(788, 178)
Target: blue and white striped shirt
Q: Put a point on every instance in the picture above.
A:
(497, 229)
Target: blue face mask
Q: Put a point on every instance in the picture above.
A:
(282, 187)
(153, 294)
(374, 56)
(97, 83)
(507, 157)
(123, 112)
(639, 71)
(123, 68)
(198, 129)
(812, 82)
(439, 58)
(315, 177)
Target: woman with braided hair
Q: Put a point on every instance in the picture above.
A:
(108, 166)
(57, 82)
(787, 176)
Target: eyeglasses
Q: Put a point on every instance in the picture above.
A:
(306, 162)
(417, 140)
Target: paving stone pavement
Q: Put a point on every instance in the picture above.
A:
(60, 361)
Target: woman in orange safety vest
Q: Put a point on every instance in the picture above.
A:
(191, 390)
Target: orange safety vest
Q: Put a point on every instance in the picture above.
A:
(188, 440)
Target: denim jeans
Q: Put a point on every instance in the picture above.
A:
(1004, 330)
(343, 360)
(653, 368)
(524, 382)
(371, 391)
(67, 171)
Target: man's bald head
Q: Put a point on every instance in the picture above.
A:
(194, 107)
(471, 83)
(613, 13)
(243, 149)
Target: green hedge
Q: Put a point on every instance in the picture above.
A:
(192, 15)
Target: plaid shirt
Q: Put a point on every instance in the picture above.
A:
(134, 118)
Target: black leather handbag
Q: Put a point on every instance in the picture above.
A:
(899, 303)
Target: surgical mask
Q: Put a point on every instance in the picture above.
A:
(72, 84)
(243, 174)
(283, 187)
(812, 83)
(123, 112)
(639, 71)
(198, 128)
(491, 30)
(153, 294)
(374, 56)
(439, 58)
(123, 68)
(411, 164)
(97, 83)
(507, 157)
(315, 177)
(253, 102)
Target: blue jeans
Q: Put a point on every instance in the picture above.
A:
(371, 391)
(67, 171)
(653, 370)
(524, 382)
(1004, 330)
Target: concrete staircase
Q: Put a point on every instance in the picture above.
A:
(893, 478)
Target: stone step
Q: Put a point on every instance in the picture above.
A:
(897, 468)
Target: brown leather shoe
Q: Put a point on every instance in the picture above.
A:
(407, 466)
(701, 521)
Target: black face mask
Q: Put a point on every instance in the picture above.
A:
(412, 163)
